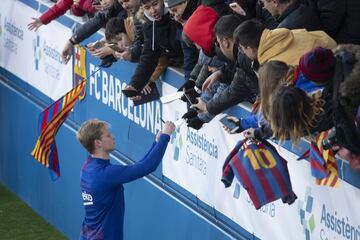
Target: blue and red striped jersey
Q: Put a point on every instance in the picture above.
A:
(261, 171)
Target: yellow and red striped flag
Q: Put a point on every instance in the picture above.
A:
(50, 120)
(323, 162)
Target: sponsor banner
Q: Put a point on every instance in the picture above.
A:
(194, 160)
(34, 57)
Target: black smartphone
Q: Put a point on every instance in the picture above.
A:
(153, 95)
(129, 92)
(191, 102)
(232, 126)
(189, 99)
(98, 44)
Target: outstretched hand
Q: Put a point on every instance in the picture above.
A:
(249, 133)
(66, 52)
(209, 82)
(35, 24)
(168, 128)
(200, 106)
(125, 55)
(102, 52)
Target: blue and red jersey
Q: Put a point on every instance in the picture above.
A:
(261, 171)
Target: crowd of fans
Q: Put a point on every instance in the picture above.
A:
(296, 60)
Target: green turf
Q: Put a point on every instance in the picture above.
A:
(18, 221)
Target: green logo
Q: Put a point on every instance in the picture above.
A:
(306, 216)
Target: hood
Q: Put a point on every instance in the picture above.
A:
(152, 20)
(289, 45)
(279, 38)
(200, 28)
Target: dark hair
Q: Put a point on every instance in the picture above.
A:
(293, 113)
(146, 1)
(227, 24)
(248, 34)
(113, 27)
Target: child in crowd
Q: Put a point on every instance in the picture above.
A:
(78, 8)
(295, 114)
(160, 37)
(314, 72)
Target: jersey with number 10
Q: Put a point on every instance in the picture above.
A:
(262, 172)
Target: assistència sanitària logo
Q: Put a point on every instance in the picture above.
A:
(307, 218)
(177, 140)
(37, 51)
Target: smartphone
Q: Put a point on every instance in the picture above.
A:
(153, 95)
(189, 99)
(115, 47)
(191, 102)
(130, 93)
(98, 44)
(232, 126)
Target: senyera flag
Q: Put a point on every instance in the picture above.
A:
(50, 120)
(322, 162)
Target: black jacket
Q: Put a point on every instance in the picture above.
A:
(163, 41)
(340, 19)
(330, 12)
(265, 17)
(98, 21)
(349, 30)
(137, 45)
(299, 16)
(243, 85)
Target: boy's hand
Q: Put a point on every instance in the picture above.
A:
(35, 24)
(249, 133)
(67, 52)
(147, 89)
(200, 106)
(102, 52)
(168, 128)
(125, 55)
(211, 80)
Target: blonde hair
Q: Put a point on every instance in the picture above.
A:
(272, 75)
(293, 113)
(89, 131)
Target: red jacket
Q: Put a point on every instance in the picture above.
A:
(85, 6)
